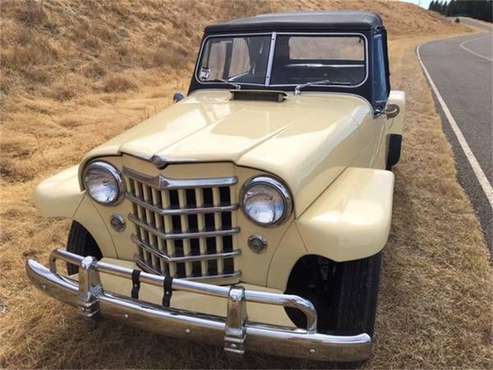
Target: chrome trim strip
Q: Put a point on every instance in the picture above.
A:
(232, 278)
(271, 58)
(235, 275)
(223, 278)
(191, 258)
(164, 183)
(145, 266)
(271, 339)
(320, 65)
(188, 235)
(181, 211)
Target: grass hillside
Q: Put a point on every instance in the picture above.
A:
(55, 53)
(63, 49)
(74, 73)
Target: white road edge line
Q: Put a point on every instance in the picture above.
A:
(461, 45)
(483, 181)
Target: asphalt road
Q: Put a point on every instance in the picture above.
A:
(462, 70)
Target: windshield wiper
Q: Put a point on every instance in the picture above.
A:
(236, 85)
(297, 88)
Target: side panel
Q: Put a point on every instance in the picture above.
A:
(290, 250)
(380, 158)
(393, 142)
(89, 217)
(351, 219)
(389, 147)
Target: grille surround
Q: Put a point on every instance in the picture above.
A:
(184, 227)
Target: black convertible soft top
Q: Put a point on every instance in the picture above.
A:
(301, 21)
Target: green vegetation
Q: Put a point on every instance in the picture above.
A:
(479, 9)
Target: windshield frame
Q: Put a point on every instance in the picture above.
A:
(270, 62)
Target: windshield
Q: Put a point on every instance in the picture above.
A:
(296, 59)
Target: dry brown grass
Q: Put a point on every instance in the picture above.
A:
(75, 73)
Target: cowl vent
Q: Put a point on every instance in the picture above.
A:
(259, 95)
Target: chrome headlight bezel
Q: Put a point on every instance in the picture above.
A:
(276, 185)
(114, 173)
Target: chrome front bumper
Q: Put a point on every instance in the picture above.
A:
(235, 332)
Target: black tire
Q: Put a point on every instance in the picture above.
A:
(82, 243)
(343, 293)
(395, 148)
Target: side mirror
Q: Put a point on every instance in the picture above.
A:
(392, 110)
(178, 96)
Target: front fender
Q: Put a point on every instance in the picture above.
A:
(351, 219)
(59, 195)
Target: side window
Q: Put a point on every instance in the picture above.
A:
(380, 88)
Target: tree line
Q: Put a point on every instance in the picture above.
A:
(479, 9)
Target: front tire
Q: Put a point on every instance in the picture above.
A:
(343, 293)
(82, 243)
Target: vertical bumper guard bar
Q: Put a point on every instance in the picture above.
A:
(89, 287)
(235, 330)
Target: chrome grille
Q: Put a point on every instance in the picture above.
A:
(183, 228)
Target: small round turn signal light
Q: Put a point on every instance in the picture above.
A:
(257, 243)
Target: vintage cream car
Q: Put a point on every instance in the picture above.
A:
(253, 212)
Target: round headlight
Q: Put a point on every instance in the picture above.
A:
(103, 182)
(266, 201)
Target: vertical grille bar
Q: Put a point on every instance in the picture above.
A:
(218, 226)
(156, 200)
(168, 228)
(204, 265)
(131, 186)
(150, 221)
(184, 228)
(141, 215)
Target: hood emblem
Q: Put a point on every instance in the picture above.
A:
(159, 162)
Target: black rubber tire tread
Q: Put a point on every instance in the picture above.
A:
(394, 154)
(82, 243)
(346, 299)
(357, 298)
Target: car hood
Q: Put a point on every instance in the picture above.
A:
(291, 139)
